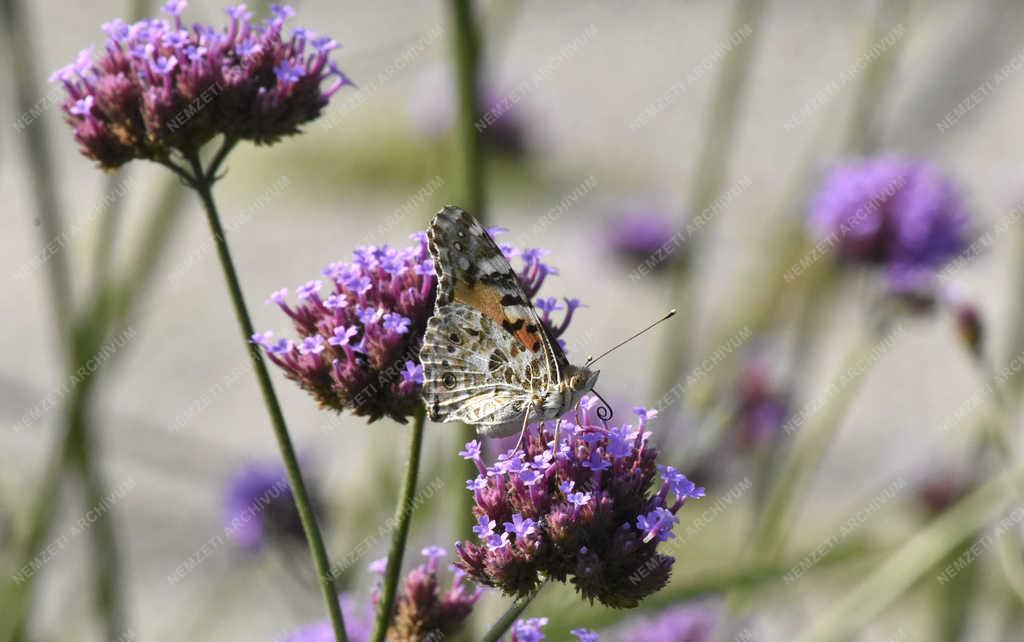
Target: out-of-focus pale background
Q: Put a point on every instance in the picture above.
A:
(344, 180)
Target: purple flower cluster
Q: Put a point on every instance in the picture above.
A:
(259, 505)
(360, 329)
(361, 326)
(583, 510)
(423, 611)
(903, 215)
(160, 86)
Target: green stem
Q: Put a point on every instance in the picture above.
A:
(902, 569)
(998, 435)
(402, 519)
(509, 617)
(23, 57)
(467, 72)
(814, 439)
(733, 577)
(711, 167)
(107, 554)
(862, 134)
(203, 187)
(112, 308)
(466, 61)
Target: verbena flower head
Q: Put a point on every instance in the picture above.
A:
(590, 511)
(686, 623)
(361, 323)
(902, 215)
(639, 232)
(426, 611)
(159, 85)
(258, 505)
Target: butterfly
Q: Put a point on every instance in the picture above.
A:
(487, 358)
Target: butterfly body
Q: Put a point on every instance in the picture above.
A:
(488, 360)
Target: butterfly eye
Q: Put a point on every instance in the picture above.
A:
(574, 381)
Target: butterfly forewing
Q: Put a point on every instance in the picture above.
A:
(485, 352)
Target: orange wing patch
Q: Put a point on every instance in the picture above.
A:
(501, 308)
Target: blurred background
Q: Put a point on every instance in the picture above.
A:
(612, 141)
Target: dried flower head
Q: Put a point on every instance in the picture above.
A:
(583, 511)
(160, 86)
(905, 216)
(259, 505)
(360, 327)
(425, 611)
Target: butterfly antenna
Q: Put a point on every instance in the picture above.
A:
(604, 412)
(592, 360)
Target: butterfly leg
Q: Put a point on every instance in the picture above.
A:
(522, 433)
(558, 424)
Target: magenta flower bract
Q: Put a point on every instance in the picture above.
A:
(160, 85)
(585, 512)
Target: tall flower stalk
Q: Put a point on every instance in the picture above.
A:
(80, 333)
(711, 164)
(201, 180)
(399, 537)
(160, 91)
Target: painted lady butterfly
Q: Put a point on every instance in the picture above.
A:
(487, 358)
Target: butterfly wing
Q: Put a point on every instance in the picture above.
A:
(472, 270)
(476, 372)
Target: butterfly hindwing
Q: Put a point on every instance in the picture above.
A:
(474, 371)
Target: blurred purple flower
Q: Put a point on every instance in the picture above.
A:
(639, 232)
(685, 623)
(160, 86)
(358, 625)
(361, 326)
(583, 512)
(258, 504)
(903, 215)
(432, 107)
(528, 630)
(761, 411)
